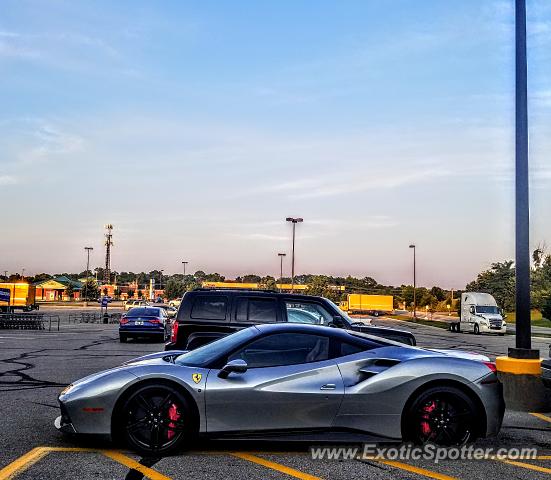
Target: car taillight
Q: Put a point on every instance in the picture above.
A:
(154, 320)
(124, 320)
(174, 333)
(491, 366)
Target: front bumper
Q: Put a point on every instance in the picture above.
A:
(490, 329)
(63, 422)
(60, 424)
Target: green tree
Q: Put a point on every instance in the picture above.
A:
(70, 291)
(268, 282)
(174, 289)
(438, 293)
(131, 293)
(90, 289)
(251, 278)
(498, 281)
(320, 286)
(117, 292)
(140, 294)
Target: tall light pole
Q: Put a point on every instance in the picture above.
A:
(88, 250)
(281, 256)
(294, 221)
(161, 280)
(184, 264)
(522, 212)
(414, 283)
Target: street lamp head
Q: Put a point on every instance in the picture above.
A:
(282, 254)
(294, 220)
(412, 246)
(88, 248)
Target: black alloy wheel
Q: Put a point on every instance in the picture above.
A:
(156, 420)
(442, 415)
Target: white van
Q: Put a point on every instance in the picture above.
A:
(479, 314)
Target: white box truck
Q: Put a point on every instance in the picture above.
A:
(479, 314)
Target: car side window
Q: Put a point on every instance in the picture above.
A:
(307, 312)
(209, 308)
(256, 310)
(282, 349)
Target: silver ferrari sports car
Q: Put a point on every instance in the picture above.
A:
(289, 381)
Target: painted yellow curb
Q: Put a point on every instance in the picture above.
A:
(518, 366)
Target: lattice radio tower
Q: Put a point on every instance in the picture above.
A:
(108, 245)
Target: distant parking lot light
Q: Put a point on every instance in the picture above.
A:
(414, 283)
(294, 221)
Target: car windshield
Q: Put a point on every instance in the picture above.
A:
(207, 353)
(143, 312)
(486, 309)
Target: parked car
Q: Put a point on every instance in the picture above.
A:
(135, 303)
(146, 321)
(170, 310)
(175, 303)
(208, 314)
(289, 381)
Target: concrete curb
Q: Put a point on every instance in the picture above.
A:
(523, 387)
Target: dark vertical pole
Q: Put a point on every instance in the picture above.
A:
(281, 272)
(522, 220)
(293, 262)
(414, 285)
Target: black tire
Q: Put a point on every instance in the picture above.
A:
(150, 420)
(443, 415)
(476, 329)
(501, 334)
(123, 338)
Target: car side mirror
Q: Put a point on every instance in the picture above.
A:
(233, 366)
(472, 310)
(336, 322)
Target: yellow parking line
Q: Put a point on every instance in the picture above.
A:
(275, 466)
(22, 463)
(541, 416)
(418, 470)
(529, 466)
(131, 463)
(543, 457)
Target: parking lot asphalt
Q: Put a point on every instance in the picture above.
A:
(36, 365)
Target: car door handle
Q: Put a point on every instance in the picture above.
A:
(328, 386)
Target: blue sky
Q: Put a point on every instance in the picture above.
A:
(197, 127)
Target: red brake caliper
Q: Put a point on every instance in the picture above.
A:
(427, 409)
(174, 416)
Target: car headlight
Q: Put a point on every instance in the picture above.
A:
(67, 389)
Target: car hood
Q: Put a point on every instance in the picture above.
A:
(155, 357)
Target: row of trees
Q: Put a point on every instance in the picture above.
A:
(499, 281)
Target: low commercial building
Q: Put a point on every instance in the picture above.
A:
(57, 289)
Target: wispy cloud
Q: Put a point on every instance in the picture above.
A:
(50, 141)
(7, 180)
(338, 184)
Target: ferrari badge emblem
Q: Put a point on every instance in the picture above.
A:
(197, 377)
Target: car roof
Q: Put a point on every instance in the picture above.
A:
(261, 293)
(147, 307)
(341, 333)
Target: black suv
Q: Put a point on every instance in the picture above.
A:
(208, 314)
